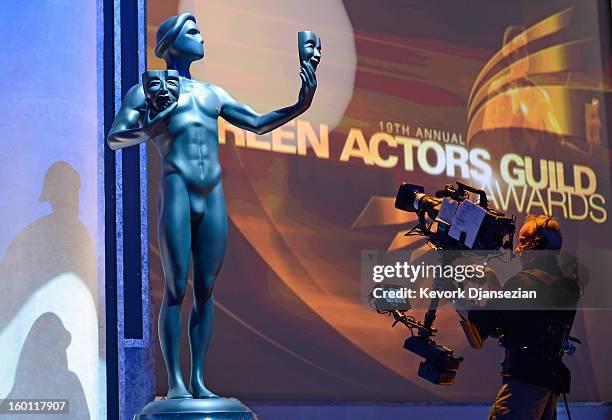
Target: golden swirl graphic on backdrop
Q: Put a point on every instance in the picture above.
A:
(546, 27)
(506, 93)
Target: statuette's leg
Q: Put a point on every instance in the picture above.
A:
(174, 245)
(209, 244)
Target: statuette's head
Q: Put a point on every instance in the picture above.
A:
(180, 36)
(309, 47)
(161, 88)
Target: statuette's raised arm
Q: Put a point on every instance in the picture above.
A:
(245, 117)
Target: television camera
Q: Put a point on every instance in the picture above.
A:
(460, 225)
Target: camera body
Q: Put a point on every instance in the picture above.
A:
(495, 231)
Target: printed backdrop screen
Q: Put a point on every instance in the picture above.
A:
(512, 97)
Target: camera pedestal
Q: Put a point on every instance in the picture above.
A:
(196, 409)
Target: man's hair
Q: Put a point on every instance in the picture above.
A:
(169, 30)
(542, 232)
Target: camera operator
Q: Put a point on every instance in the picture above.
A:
(533, 332)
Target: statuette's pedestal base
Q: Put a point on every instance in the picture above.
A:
(196, 409)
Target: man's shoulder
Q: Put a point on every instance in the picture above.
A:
(524, 279)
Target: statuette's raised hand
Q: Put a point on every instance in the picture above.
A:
(309, 84)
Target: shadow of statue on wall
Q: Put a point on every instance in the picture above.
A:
(54, 244)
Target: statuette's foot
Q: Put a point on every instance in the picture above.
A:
(178, 392)
(198, 390)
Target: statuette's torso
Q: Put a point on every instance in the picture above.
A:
(189, 145)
